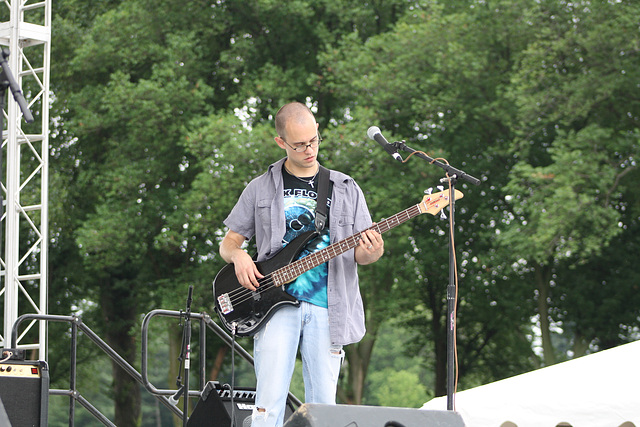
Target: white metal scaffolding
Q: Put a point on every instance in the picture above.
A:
(25, 149)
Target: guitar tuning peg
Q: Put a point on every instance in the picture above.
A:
(440, 187)
(443, 215)
(428, 190)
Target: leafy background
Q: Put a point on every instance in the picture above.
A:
(164, 111)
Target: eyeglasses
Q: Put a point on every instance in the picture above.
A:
(302, 146)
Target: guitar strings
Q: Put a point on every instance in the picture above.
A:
(242, 294)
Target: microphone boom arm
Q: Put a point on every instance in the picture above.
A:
(450, 170)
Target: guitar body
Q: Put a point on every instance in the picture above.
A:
(256, 308)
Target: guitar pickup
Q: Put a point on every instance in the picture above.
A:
(225, 304)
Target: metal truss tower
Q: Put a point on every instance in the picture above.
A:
(25, 29)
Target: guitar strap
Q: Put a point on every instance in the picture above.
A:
(321, 201)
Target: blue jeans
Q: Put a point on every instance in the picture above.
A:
(275, 347)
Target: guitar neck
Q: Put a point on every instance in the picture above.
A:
(289, 272)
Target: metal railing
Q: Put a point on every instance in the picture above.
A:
(204, 319)
(142, 378)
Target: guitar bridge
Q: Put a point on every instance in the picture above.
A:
(225, 304)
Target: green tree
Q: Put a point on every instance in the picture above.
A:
(118, 163)
(439, 76)
(577, 138)
(139, 213)
(489, 86)
(164, 113)
(273, 65)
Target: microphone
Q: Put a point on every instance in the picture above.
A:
(374, 133)
(174, 399)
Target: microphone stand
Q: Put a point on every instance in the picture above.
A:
(184, 356)
(452, 175)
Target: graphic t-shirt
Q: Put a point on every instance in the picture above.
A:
(300, 200)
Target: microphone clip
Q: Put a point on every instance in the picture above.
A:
(374, 133)
(173, 399)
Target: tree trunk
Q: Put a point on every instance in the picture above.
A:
(440, 345)
(580, 345)
(218, 362)
(119, 310)
(359, 356)
(439, 331)
(542, 283)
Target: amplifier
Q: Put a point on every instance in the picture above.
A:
(215, 404)
(24, 392)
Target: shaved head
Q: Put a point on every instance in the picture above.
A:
(294, 112)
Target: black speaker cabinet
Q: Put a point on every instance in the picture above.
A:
(215, 407)
(4, 418)
(24, 391)
(316, 415)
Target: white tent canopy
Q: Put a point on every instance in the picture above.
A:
(598, 390)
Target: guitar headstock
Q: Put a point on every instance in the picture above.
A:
(434, 203)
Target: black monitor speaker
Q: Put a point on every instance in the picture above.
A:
(216, 404)
(316, 415)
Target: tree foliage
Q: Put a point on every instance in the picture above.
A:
(164, 111)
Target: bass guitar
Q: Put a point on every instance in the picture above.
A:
(246, 311)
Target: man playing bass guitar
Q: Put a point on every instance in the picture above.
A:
(276, 207)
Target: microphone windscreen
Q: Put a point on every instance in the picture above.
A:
(373, 131)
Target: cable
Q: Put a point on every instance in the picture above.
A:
(455, 298)
(9, 355)
(233, 373)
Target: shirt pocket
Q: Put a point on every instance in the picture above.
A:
(346, 224)
(263, 212)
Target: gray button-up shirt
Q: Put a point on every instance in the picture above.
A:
(260, 212)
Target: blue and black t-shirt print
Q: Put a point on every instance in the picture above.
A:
(299, 209)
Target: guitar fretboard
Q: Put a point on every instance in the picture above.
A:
(289, 272)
